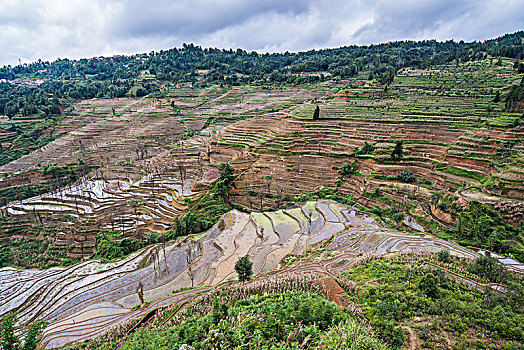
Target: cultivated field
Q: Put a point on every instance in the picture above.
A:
(85, 300)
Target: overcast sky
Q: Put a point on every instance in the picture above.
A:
(48, 29)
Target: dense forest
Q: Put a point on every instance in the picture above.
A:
(39, 87)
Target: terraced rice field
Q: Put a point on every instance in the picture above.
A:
(149, 156)
(146, 157)
(85, 300)
(300, 156)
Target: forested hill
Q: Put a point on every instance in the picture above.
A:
(115, 76)
(39, 92)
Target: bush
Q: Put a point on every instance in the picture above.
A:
(366, 149)
(483, 227)
(388, 300)
(406, 176)
(110, 247)
(429, 285)
(290, 320)
(489, 268)
(443, 256)
(348, 169)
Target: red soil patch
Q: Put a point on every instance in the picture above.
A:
(331, 289)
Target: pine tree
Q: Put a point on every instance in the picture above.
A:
(316, 113)
(397, 152)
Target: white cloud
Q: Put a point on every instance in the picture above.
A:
(33, 29)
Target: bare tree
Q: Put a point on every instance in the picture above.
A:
(140, 292)
(181, 170)
(279, 190)
(191, 255)
(162, 240)
(268, 182)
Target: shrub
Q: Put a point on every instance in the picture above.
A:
(397, 152)
(489, 268)
(110, 247)
(406, 176)
(443, 256)
(366, 149)
(348, 169)
(10, 341)
(429, 285)
(397, 216)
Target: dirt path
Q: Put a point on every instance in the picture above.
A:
(414, 341)
(473, 193)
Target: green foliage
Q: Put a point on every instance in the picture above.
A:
(10, 341)
(483, 227)
(386, 78)
(65, 81)
(444, 256)
(496, 99)
(392, 213)
(396, 216)
(366, 149)
(204, 212)
(110, 247)
(59, 175)
(393, 291)
(348, 169)
(22, 192)
(406, 176)
(326, 193)
(515, 98)
(465, 173)
(489, 269)
(5, 256)
(226, 172)
(290, 320)
(33, 246)
(428, 284)
(33, 335)
(207, 210)
(29, 136)
(349, 335)
(243, 267)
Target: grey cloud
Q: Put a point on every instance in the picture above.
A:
(196, 17)
(33, 29)
(441, 19)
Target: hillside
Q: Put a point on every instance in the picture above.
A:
(373, 177)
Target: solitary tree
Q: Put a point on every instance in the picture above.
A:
(243, 267)
(406, 176)
(226, 172)
(397, 151)
(316, 113)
